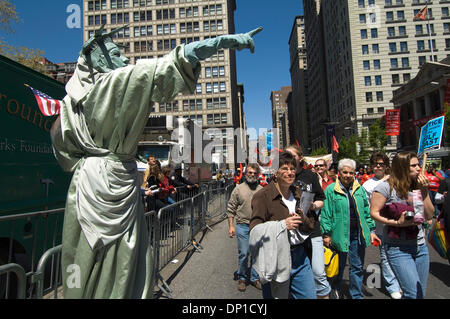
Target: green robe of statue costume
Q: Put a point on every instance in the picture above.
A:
(105, 235)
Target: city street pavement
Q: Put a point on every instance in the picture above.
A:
(209, 274)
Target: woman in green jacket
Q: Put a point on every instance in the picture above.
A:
(346, 225)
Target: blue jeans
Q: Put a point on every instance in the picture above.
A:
(411, 264)
(389, 279)
(302, 284)
(433, 201)
(318, 267)
(243, 236)
(356, 254)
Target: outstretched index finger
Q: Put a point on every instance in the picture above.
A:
(254, 32)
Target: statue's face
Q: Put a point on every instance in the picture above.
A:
(108, 57)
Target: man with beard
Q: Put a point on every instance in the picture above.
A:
(240, 206)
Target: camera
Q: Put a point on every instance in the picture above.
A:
(302, 186)
(409, 215)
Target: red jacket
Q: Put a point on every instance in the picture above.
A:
(434, 181)
(165, 188)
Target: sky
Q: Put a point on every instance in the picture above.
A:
(44, 27)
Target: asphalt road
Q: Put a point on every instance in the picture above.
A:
(209, 274)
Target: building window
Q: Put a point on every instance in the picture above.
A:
(391, 32)
(376, 64)
(403, 46)
(375, 48)
(389, 16)
(374, 33)
(432, 42)
(405, 62)
(379, 96)
(367, 81)
(395, 79)
(422, 60)
(420, 45)
(368, 96)
(362, 18)
(363, 34)
(378, 80)
(419, 29)
(223, 102)
(366, 65)
(365, 49)
(392, 47)
(216, 119)
(406, 77)
(224, 118)
(394, 63)
(446, 27)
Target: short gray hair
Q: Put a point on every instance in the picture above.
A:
(346, 162)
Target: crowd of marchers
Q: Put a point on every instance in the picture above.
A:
(285, 223)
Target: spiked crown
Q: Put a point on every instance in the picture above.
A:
(100, 36)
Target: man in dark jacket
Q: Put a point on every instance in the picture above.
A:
(188, 188)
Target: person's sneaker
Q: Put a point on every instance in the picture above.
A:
(396, 295)
(241, 285)
(256, 284)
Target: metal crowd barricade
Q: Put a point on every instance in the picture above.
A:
(21, 276)
(179, 223)
(171, 230)
(55, 275)
(28, 237)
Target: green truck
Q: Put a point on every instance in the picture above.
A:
(30, 178)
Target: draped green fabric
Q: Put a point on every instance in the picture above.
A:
(102, 118)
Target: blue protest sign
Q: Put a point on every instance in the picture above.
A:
(431, 135)
(269, 138)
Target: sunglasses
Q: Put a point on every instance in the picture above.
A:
(319, 165)
(379, 164)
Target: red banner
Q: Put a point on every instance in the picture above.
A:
(421, 122)
(393, 122)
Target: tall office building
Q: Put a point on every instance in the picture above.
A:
(316, 73)
(371, 47)
(280, 114)
(297, 101)
(157, 26)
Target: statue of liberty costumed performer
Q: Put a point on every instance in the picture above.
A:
(95, 137)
